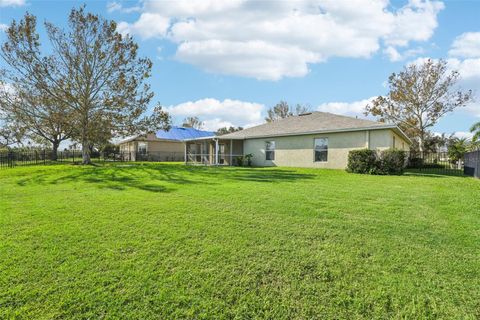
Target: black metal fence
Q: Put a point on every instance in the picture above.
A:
(438, 162)
(472, 164)
(9, 159)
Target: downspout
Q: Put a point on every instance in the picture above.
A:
(185, 152)
(231, 152)
(367, 139)
(216, 151)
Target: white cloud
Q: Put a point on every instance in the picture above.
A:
(275, 39)
(473, 108)
(467, 45)
(116, 6)
(355, 108)
(416, 21)
(12, 3)
(254, 59)
(3, 27)
(216, 114)
(148, 26)
(463, 134)
(394, 54)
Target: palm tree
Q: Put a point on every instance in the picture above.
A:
(475, 129)
(457, 149)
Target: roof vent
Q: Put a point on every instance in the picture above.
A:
(304, 114)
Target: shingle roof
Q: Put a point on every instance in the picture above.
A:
(311, 122)
(181, 134)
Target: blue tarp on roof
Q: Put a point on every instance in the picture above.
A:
(180, 133)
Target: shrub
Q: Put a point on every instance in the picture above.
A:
(362, 161)
(240, 161)
(249, 157)
(391, 162)
(388, 162)
(416, 162)
(246, 159)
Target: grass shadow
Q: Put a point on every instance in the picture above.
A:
(434, 173)
(156, 177)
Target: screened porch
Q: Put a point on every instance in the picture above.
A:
(213, 151)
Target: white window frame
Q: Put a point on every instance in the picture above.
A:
(320, 150)
(267, 150)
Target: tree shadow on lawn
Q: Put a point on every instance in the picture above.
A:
(102, 177)
(271, 175)
(150, 177)
(434, 173)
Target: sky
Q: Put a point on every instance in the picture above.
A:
(227, 62)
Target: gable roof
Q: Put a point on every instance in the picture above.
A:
(182, 133)
(310, 123)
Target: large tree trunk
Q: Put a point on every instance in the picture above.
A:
(86, 153)
(421, 141)
(54, 155)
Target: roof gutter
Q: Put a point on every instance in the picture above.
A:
(201, 138)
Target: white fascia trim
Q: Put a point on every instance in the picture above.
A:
(317, 132)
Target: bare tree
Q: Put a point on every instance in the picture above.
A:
(225, 130)
(193, 122)
(282, 110)
(93, 75)
(419, 96)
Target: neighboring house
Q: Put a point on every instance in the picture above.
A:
(315, 139)
(160, 146)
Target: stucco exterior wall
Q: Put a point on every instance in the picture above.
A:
(400, 143)
(298, 151)
(165, 146)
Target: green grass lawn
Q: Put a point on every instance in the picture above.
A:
(163, 241)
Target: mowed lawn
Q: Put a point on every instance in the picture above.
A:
(164, 241)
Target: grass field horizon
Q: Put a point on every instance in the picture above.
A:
(153, 241)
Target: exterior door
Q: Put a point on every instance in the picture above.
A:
(221, 153)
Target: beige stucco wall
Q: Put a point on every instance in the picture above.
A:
(165, 146)
(154, 146)
(298, 151)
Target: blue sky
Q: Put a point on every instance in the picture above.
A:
(228, 61)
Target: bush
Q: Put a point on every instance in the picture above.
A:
(391, 162)
(240, 161)
(245, 160)
(388, 162)
(249, 157)
(416, 162)
(362, 161)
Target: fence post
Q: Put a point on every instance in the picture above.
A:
(10, 159)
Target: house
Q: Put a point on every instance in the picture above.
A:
(314, 139)
(160, 146)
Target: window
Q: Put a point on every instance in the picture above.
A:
(321, 150)
(270, 150)
(142, 147)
